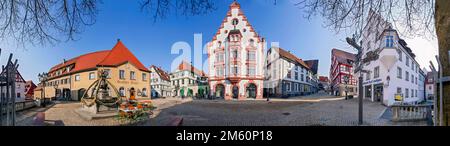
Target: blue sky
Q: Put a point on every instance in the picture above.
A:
(151, 41)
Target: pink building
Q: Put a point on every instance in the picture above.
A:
(236, 58)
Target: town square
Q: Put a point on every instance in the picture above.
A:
(231, 65)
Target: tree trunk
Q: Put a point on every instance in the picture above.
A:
(442, 22)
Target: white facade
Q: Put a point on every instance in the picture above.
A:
(395, 71)
(160, 83)
(236, 58)
(20, 89)
(287, 77)
(186, 80)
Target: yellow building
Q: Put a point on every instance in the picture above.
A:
(70, 79)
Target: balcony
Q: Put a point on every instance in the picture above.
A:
(388, 56)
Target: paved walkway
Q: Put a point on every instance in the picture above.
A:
(63, 114)
(276, 113)
(316, 110)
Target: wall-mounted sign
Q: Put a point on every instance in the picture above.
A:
(372, 81)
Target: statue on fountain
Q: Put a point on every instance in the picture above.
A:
(98, 97)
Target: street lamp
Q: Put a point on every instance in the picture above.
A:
(43, 78)
(359, 62)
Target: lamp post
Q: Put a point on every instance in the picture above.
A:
(43, 79)
(371, 56)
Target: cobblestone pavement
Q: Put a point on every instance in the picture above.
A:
(277, 113)
(305, 111)
(63, 113)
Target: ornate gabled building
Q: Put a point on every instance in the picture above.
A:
(342, 79)
(236, 58)
(71, 78)
(160, 82)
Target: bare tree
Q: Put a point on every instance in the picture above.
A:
(413, 17)
(45, 21)
(159, 9)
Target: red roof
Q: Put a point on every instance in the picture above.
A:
(118, 55)
(290, 56)
(342, 56)
(323, 79)
(164, 75)
(187, 66)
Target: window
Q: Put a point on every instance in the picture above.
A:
(121, 74)
(400, 56)
(288, 86)
(235, 54)
(407, 61)
(416, 93)
(302, 77)
(389, 41)
(144, 92)
(235, 22)
(416, 80)
(144, 77)
(251, 71)
(235, 70)
(407, 93)
(108, 73)
(412, 93)
(219, 71)
(251, 55)
(77, 77)
(132, 75)
(289, 74)
(252, 42)
(122, 91)
(18, 95)
(296, 75)
(376, 73)
(399, 72)
(91, 76)
(412, 78)
(399, 90)
(406, 76)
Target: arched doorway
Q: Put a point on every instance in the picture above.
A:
(235, 92)
(132, 94)
(220, 91)
(81, 92)
(251, 91)
(66, 94)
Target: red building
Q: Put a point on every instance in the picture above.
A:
(342, 68)
(29, 90)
